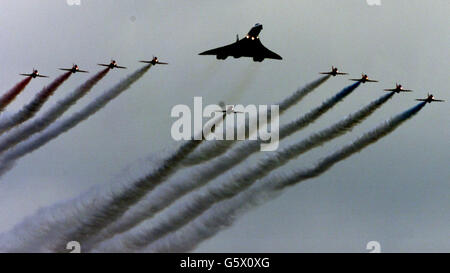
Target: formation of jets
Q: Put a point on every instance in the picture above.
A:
(76, 69)
(398, 87)
(34, 74)
(249, 46)
(229, 110)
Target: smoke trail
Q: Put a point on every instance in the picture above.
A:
(200, 202)
(223, 214)
(29, 110)
(213, 149)
(9, 96)
(213, 169)
(39, 124)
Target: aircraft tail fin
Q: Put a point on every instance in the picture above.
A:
(237, 37)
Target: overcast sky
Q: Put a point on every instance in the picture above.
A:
(395, 192)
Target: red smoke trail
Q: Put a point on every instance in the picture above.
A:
(12, 93)
(29, 110)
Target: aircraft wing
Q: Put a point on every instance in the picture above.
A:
(390, 89)
(421, 99)
(162, 63)
(405, 90)
(28, 75)
(341, 73)
(66, 69)
(326, 73)
(122, 67)
(41, 76)
(355, 80)
(438, 100)
(82, 71)
(371, 80)
(107, 65)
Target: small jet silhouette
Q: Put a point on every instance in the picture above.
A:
(364, 78)
(398, 88)
(112, 65)
(34, 74)
(429, 99)
(74, 69)
(334, 72)
(153, 61)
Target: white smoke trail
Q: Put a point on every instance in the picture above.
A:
(199, 202)
(224, 213)
(23, 132)
(29, 110)
(213, 149)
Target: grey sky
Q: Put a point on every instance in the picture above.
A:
(395, 192)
